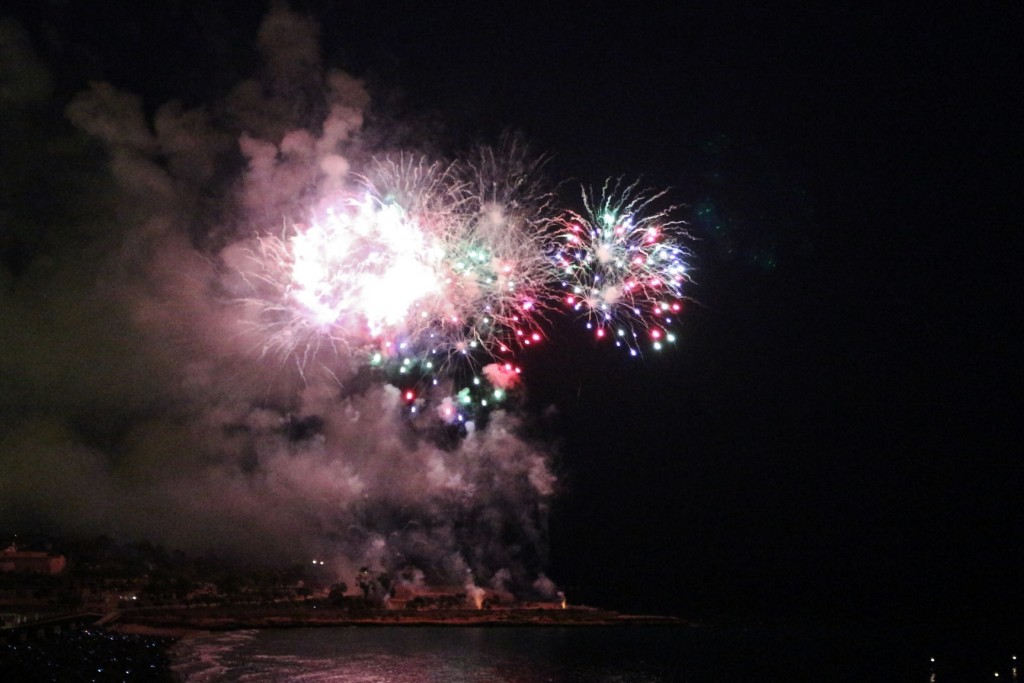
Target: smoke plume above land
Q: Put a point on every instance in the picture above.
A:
(133, 398)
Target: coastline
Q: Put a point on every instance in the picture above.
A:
(178, 624)
(141, 641)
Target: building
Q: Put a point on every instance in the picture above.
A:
(30, 561)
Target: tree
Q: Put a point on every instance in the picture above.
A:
(364, 579)
(376, 588)
(337, 594)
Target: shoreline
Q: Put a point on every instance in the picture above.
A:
(187, 624)
(137, 645)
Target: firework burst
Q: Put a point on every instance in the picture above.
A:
(622, 266)
(425, 269)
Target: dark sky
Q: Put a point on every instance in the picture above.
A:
(839, 427)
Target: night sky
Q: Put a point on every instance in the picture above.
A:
(838, 429)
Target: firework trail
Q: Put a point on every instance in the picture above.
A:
(425, 269)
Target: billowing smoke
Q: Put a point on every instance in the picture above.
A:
(134, 400)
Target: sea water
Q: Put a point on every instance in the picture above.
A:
(444, 654)
(619, 654)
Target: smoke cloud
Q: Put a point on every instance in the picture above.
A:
(134, 399)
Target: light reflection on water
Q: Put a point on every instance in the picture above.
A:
(449, 655)
(637, 654)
